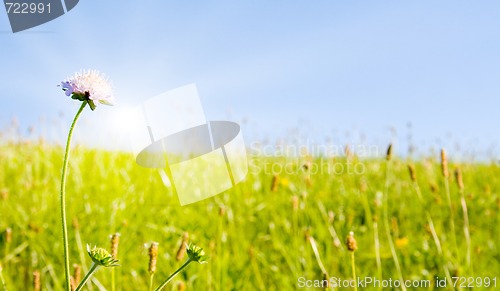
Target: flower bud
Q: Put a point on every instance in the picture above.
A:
(101, 257)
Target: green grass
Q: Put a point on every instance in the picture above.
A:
(258, 241)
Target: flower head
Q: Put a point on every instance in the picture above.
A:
(351, 242)
(89, 86)
(115, 241)
(101, 257)
(196, 253)
(153, 256)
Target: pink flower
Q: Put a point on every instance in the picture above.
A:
(90, 86)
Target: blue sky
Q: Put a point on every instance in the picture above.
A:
(325, 69)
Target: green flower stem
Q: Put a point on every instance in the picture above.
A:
(452, 216)
(2, 280)
(388, 228)
(92, 270)
(151, 280)
(172, 276)
(430, 222)
(63, 198)
(113, 280)
(353, 263)
(377, 250)
(466, 230)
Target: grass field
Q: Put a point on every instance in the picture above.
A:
(264, 234)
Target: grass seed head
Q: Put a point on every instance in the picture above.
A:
(77, 273)
(326, 281)
(182, 249)
(153, 257)
(388, 156)
(444, 164)
(413, 173)
(348, 152)
(307, 166)
(351, 242)
(76, 224)
(115, 240)
(275, 183)
(37, 285)
(434, 187)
